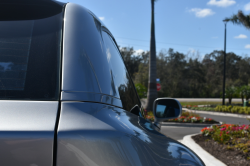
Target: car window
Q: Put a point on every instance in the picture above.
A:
(122, 83)
(30, 58)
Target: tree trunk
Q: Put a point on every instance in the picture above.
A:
(152, 91)
(229, 101)
(242, 99)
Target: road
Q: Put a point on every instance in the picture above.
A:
(179, 132)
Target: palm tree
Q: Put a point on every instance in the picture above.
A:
(152, 91)
(230, 93)
(240, 19)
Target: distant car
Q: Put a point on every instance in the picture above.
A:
(66, 98)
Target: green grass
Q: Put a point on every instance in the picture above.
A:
(205, 103)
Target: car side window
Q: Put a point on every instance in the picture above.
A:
(122, 82)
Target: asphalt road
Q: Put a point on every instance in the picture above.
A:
(179, 132)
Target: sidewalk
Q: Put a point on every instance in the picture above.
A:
(207, 158)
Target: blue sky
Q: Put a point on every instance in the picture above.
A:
(184, 25)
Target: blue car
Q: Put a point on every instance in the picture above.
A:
(66, 98)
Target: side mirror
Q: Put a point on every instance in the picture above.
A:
(166, 108)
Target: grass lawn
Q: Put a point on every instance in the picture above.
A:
(206, 103)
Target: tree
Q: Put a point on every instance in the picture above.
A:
(141, 90)
(244, 92)
(131, 61)
(240, 18)
(152, 91)
(230, 93)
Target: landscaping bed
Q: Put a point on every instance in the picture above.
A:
(224, 109)
(229, 143)
(186, 117)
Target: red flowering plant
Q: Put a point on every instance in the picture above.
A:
(230, 134)
(236, 137)
(191, 119)
(188, 117)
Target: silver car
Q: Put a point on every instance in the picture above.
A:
(66, 98)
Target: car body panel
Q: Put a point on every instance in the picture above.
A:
(27, 132)
(91, 97)
(102, 135)
(90, 72)
(80, 52)
(94, 127)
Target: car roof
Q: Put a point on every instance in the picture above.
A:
(13, 10)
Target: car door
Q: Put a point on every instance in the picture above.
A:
(30, 56)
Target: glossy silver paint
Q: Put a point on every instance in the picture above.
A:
(92, 130)
(92, 134)
(27, 132)
(86, 68)
(83, 54)
(91, 97)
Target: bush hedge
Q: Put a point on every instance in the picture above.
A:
(229, 109)
(236, 137)
(203, 108)
(233, 109)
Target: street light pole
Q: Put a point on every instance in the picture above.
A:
(224, 72)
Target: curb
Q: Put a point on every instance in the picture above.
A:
(186, 124)
(207, 158)
(218, 113)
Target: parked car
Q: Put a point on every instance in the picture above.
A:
(66, 98)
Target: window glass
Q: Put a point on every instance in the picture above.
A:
(122, 84)
(30, 58)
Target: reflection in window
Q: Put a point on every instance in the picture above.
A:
(160, 110)
(29, 58)
(121, 81)
(14, 54)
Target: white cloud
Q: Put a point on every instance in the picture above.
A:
(221, 3)
(191, 50)
(138, 52)
(102, 18)
(247, 7)
(247, 46)
(241, 36)
(202, 12)
(215, 37)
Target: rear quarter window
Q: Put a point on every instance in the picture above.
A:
(30, 55)
(122, 83)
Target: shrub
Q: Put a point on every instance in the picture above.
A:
(141, 90)
(235, 136)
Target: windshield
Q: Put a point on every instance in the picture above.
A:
(29, 58)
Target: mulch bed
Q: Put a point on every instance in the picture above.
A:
(220, 151)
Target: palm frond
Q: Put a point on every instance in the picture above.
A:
(244, 19)
(240, 18)
(234, 19)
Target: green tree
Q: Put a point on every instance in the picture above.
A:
(240, 18)
(152, 91)
(230, 93)
(131, 61)
(141, 90)
(243, 92)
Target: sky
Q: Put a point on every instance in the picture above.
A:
(187, 26)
